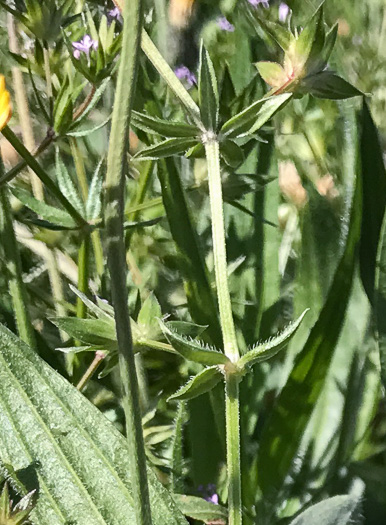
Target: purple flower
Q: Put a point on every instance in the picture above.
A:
(114, 14)
(283, 12)
(255, 3)
(84, 46)
(209, 493)
(225, 25)
(184, 73)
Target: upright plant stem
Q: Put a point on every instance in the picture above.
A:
(83, 274)
(232, 420)
(29, 140)
(228, 332)
(219, 250)
(132, 14)
(15, 278)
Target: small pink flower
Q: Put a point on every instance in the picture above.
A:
(225, 25)
(284, 11)
(84, 46)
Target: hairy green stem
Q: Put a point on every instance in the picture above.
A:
(114, 218)
(219, 250)
(228, 331)
(83, 275)
(35, 166)
(232, 419)
(15, 279)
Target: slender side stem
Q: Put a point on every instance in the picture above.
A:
(219, 250)
(47, 72)
(115, 180)
(228, 332)
(35, 166)
(233, 448)
(83, 184)
(83, 274)
(36, 183)
(99, 356)
(16, 285)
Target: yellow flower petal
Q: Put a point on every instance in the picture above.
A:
(5, 104)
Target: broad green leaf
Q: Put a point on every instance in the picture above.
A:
(374, 199)
(268, 349)
(272, 73)
(339, 510)
(285, 426)
(90, 331)
(380, 300)
(66, 184)
(48, 213)
(199, 384)
(167, 148)
(166, 128)
(208, 91)
(329, 85)
(78, 458)
(94, 199)
(200, 509)
(193, 350)
(254, 116)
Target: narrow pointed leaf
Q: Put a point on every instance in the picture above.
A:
(255, 116)
(166, 128)
(310, 43)
(95, 309)
(329, 85)
(88, 131)
(77, 459)
(93, 102)
(185, 328)
(200, 509)
(199, 384)
(166, 148)
(272, 73)
(339, 510)
(94, 199)
(285, 426)
(374, 199)
(208, 92)
(193, 350)
(231, 153)
(270, 348)
(89, 331)
(66, 184)
(380, 301)
(47, 212)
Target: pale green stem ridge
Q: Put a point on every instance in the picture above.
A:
(228, 331)
(233, 448)
(15, 278)
(219, 250)
(83, 274)
(115, 179)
